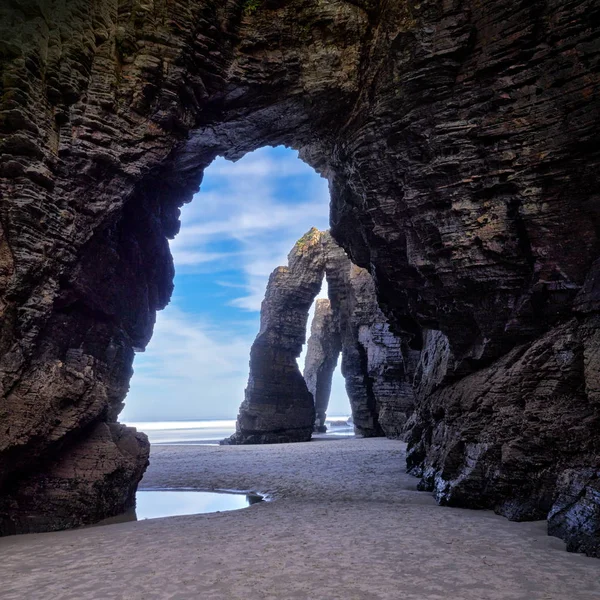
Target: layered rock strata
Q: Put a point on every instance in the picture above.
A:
(348, 303)
(516, 436)
(377, 365)
(387, 356)
(459, 141)
(98, 476)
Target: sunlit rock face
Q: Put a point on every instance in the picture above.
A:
(459, 139)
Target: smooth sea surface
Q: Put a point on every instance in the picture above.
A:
(212, 431)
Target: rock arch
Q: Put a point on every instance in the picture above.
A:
(281, 405)
(458, 139)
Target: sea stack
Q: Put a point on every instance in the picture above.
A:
(280, 405)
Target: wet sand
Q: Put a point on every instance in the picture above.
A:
(345, 522)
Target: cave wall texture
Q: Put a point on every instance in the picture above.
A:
(459, 140)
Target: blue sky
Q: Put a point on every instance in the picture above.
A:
(239, 227)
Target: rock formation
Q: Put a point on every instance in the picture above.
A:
(323, 349)
(377, 365)
(459, 140)
(278, 406)
(352, 305)
(515, 436)
(98, 476)
(282, 406)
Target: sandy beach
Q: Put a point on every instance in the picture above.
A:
(345, 522)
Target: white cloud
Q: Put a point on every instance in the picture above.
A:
(191, 370)
(196, 257)
(249, 215)
(229, 284)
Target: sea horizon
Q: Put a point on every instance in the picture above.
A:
(212, 431)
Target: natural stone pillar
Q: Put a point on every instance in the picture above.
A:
(322, 354)
(278, 406)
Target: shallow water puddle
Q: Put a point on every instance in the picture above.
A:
(154, 504)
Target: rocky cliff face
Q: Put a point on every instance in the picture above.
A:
(501, 436)
(389, 360)
(458, 137)
(516, 436)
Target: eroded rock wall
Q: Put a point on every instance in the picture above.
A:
(489, 113)
(501, 436)
(459, 139)
(348, 302)
(107, 119)
(517, 436)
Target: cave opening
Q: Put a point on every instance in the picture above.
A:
(189, 382)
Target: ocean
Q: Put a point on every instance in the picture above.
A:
(212, 431)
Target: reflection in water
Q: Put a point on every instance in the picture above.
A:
(169, 503)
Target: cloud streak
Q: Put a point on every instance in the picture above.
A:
(191, 368)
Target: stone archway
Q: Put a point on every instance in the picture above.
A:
(281, 404)
(111, 113)
(458, 141)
